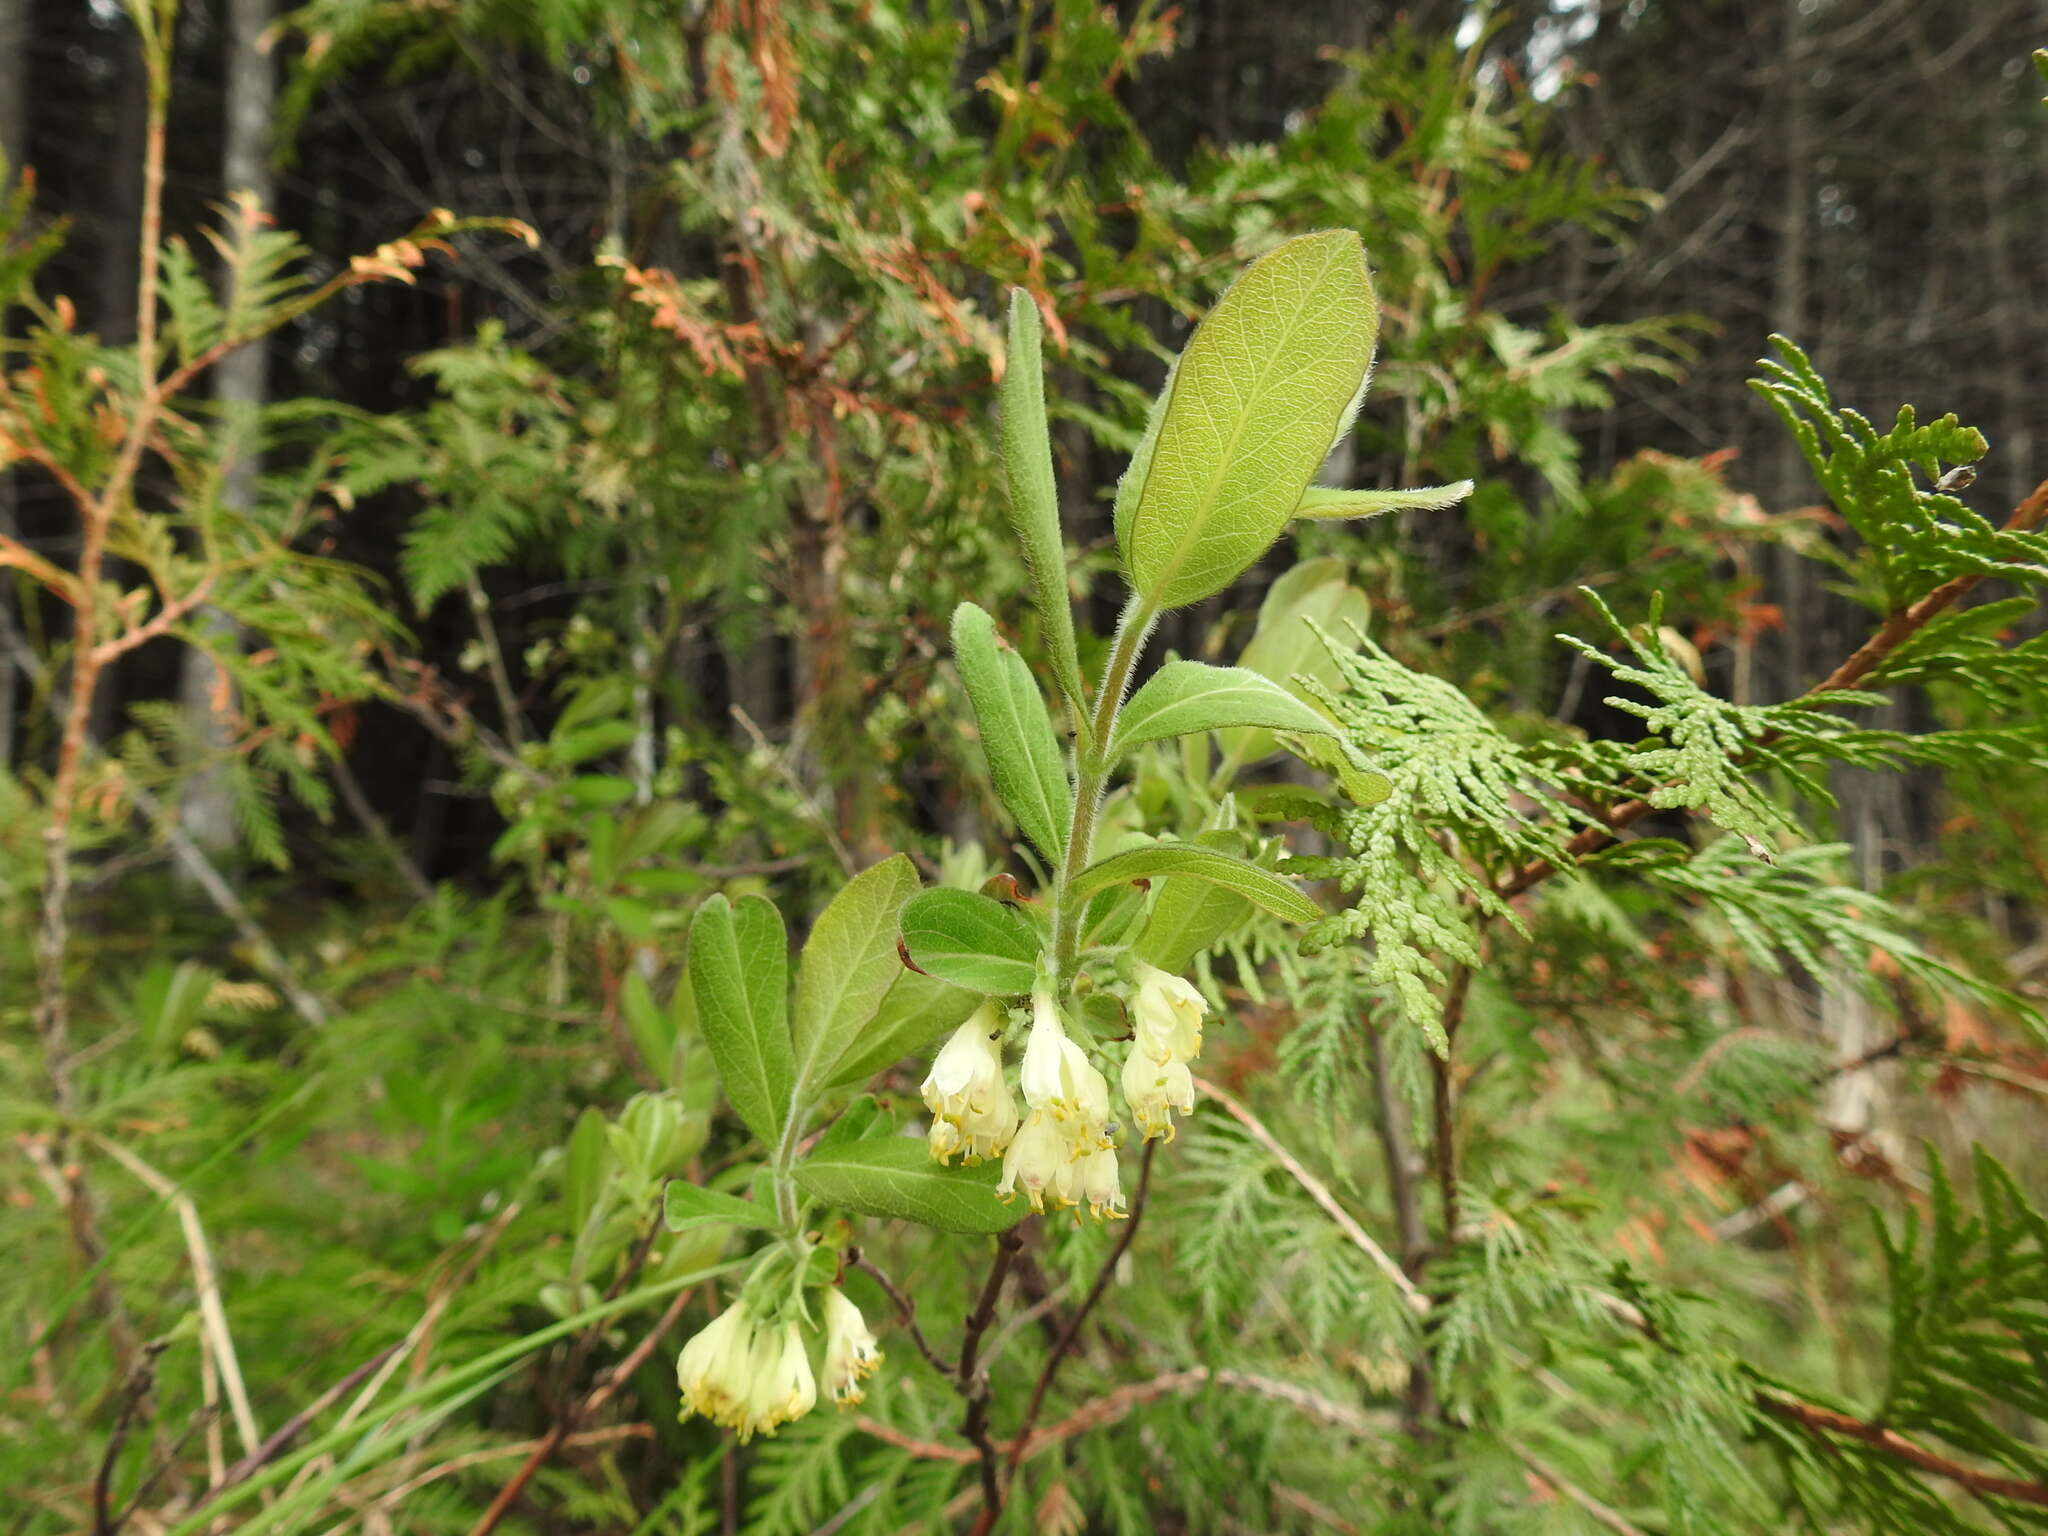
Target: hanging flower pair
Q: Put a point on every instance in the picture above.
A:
(753, 1375)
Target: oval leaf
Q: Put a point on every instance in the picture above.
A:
(1260, 393)
(971, 940)
(849, 963)
(1261, 886)
(1023, 753)
(896, 1177)
(917, 1010)
(1284, 646)
(739, 977)
(1189, 916)
(1187, 696)
(685, 1206)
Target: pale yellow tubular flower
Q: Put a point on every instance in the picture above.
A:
(973, 1114)
(944, 1139)
(716, 1368)
(1090, 1093)
(783, 1387)
(1154, 1089)
(1042, 1080)
(1167, 1014)
(1035, 1158)
(850, 1351)
(989, 1135)
(1102, 1185)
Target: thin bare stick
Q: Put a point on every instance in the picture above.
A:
(1320, 1193)
(1443, 1108)
(1112, 1406)
(67, 1187)
(1398, 1155)
(209, 1397)
(213, 1317)
(134, 1392)
(373, 826)
(1600, 1513)
(610, 1435)
(789, 776)
(207, 876)
(512, 719)
(285, 1433)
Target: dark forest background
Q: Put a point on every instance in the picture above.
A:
(1862, 177)
(1644, 1139)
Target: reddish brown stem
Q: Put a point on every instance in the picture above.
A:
(1072, 1332)
(1893, 633)
(1826, 1421)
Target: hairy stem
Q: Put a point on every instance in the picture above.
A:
(1091, 777)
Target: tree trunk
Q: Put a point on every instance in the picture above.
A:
(1788, 479)
(239, 386)
(14, 35)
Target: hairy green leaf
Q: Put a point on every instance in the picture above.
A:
(1261, 886)
(739, 974)
(915, 1012)
(849, 964)
(1183, 697)
(1189, 915)
(1260, 393)
(896, 1177)
(686, 1206)
(1034, 498)
(971, 940)
(1285, 644)
(1017, 737)
(1321, 503)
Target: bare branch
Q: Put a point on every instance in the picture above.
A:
(1320, 1193)
(906, 1313)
